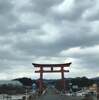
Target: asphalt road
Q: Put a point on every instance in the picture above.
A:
(51, 95)
(58, 97)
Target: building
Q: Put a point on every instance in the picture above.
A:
(93, 88)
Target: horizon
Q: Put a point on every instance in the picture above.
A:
(49, 78)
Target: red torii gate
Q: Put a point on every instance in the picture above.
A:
(41, 71)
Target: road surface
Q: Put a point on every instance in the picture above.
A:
(52, 95)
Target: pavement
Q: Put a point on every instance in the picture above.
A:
(52, 95)
(58, 97)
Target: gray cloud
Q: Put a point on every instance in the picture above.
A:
(43, 7)
(42, 31)
(72, 10)
(7, 17)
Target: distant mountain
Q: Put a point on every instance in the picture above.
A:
(96, 79)
(25, 81)
(80, 81)
(10, 82)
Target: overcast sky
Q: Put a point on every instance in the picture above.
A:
(49, 31)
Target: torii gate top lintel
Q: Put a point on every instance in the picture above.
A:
(52, 65)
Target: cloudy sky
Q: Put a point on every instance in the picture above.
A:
(49, 31)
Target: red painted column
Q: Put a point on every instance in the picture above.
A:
(41, 78)
(41, 73)
(62, 76)
(62, 72)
